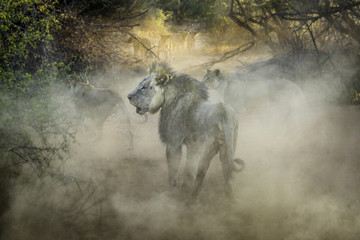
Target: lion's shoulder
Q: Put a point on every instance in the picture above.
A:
(186, 84)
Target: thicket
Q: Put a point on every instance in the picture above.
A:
(328, 28)
(43, 46)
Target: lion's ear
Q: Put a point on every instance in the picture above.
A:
(217, 72)
(162, 79)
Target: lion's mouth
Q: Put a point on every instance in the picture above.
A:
(141, 111)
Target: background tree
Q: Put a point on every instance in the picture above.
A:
(186, 11)
(297, 24)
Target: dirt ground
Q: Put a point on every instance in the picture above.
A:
(300, 182)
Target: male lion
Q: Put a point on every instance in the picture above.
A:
(188, 118)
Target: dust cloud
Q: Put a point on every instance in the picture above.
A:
(300, 180)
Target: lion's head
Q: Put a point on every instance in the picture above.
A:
(213, 78)
(149, 94)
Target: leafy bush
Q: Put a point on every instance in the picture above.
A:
(35, 130)
(25, 32)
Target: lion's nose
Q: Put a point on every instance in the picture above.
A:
(130, 96)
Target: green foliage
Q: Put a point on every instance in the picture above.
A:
(105, 7)
(25, 32)
(184, 11)
(155, 21)
(36, 117)
(33, 129)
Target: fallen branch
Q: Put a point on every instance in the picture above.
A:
(148, 49)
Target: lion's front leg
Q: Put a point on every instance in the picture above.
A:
(173, 156)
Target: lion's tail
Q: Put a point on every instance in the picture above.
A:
(239, 162)
(229, 126)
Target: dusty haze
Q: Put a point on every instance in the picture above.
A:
(300, 181)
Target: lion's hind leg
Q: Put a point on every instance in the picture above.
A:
(204, 156)
(227, 170)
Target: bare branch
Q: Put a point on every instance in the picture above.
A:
(312, 37)
(133, 4)
(148, 49)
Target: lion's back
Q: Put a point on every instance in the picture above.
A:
(209, 117)
(97, 102)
